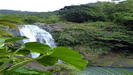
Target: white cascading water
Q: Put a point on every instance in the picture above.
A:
(34, 33)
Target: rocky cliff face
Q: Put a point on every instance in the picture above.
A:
(16, 33)
(55, 27)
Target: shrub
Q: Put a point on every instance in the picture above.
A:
(30, 20)
(51, 20)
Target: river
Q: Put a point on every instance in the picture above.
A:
(91, 70)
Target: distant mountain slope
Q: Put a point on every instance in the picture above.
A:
(4, 11)
(91, 3)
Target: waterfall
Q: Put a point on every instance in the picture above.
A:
(35, 33)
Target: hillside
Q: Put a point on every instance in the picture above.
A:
(4, 11)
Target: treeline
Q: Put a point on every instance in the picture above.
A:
(26, 17)
(101, 11)
(4, 11)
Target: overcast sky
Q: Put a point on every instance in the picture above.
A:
(41, 5)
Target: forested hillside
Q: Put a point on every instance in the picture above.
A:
(15, 12)
(119, 29)
(101, 30)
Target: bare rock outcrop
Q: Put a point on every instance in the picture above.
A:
(57, 27)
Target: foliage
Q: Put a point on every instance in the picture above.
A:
(49, 21)
(31, 19)
(15, 19)
(101, 11)
(105, 7)
(81, 14)
(124, 6)
(123, 18)
(98, 36)
(48, 54)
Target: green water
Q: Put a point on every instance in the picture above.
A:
(107, 71)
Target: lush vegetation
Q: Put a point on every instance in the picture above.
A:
(114, 32)
(100, 29)
(101, 11)
(98, 37)
(29, 18)
(81, 14)
(93, 29)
